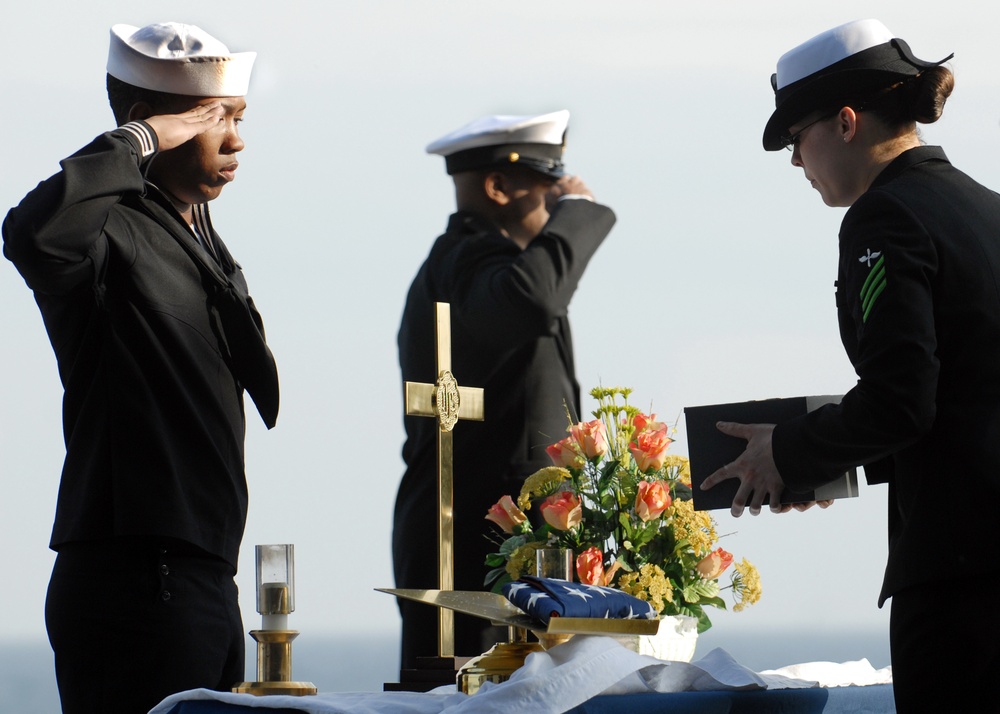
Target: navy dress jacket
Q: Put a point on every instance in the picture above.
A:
(155, 341)
(510, 336)
(918, 299)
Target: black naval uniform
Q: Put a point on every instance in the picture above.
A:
(918, 298)
(155, 337)
(510, 336)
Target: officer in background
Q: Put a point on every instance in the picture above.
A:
(509, 263)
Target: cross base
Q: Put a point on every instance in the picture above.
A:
(429, 673)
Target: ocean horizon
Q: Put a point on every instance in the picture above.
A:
(28, 686)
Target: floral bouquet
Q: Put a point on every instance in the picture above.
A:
(622, 504)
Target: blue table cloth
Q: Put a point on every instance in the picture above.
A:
(876, 699)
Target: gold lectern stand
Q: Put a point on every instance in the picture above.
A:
(505, 658)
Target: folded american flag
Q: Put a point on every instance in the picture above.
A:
(543, 598)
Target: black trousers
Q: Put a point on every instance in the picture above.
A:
(133, 621)
(944, 638)
(415, 566)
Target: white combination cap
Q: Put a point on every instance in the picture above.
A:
(179, 59)
(843, 64)
(536, 142)
(829, 48)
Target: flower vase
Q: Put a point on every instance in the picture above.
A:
(675, 640)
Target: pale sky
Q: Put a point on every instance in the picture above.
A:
(716, 284)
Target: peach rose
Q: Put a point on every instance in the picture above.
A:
(506, 514)
(652, 499)
(566, 452)
(644, 422)
(714, 564)
(590, 566)
(592, 438)
(562, 510)
(649, 449)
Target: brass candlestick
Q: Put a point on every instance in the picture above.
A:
(275, 601)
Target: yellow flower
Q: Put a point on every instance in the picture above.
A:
(522, 560)
(600, 393)
(746, 585)
(541, 483)
(696, 527)
(649, 584)
(682, 465)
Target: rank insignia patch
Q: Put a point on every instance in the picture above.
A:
(875, 282)
(868, 257)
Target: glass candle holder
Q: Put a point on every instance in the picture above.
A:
(275, 584)
(556, 563)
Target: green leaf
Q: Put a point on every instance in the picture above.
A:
(646, 534)
(523, 528)
(714, 602)
(625, 521)
(708, 588)
(682, 492)
(700, 590)
(626, 567)
(542, 532)
(512, 544)
(607, 472)
(660, 548)
(497, 574)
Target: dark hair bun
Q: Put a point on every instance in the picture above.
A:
(929, 93)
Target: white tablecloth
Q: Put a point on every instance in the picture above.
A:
(557, 680)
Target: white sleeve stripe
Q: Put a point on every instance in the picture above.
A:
(142, 134)
(203, 228)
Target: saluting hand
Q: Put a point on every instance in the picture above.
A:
(565, 186)
(172, 130)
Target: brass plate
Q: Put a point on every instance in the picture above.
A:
(499, 610)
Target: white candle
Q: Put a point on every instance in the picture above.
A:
(274, 606)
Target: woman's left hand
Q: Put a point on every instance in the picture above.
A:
(755, 469)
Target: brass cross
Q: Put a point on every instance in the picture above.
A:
(447, 402)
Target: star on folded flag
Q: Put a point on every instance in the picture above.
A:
(579, 593)
(518, 587)
(535, 597)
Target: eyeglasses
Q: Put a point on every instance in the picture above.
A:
(789, 142)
